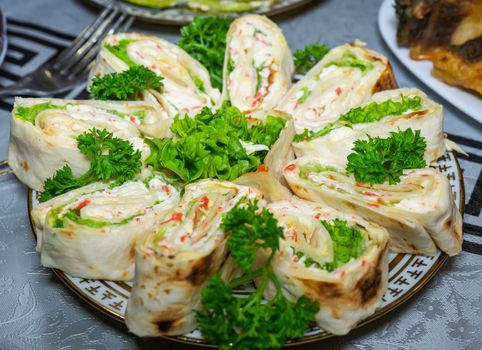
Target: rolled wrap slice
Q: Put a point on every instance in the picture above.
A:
(186, 85)
(174, 262)
(337, 143)
(258, 65)
(43, 133)
(347, 76)
(419, 212)
(336, 259)
(268, 178)
(91, 232)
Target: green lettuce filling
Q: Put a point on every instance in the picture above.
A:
(199, 83)
(373, 112)
(308, 135)
(370, 113)
(29, 114)
(313, 167)
(349, 59)
(120, 51)
(209, 145)
(74, 215)
(141, 114)
(57, 221)
(306, 94)
(348, 243)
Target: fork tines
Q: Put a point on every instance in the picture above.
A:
(74, 59)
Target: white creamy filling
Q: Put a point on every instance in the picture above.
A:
(131, 198)
(252, 53)
(251, 148)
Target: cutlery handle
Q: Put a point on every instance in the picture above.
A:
(15, 91)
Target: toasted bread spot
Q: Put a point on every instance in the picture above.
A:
(24, 166)
(386, 81)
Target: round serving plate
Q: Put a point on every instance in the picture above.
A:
(181, 15)
(407, 274)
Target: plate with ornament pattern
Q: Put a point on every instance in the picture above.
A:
(407, 274)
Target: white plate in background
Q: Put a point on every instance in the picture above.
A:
(467, 102)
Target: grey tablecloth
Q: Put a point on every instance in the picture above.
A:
(38, 312)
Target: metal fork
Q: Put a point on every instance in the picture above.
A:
(70, 67)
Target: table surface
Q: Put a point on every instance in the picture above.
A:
(37, 311)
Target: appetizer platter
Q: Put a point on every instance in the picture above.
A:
(181, 12)
(202, 195)
(468, 101)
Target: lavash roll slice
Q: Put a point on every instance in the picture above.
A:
(346, 76)
(338, 260)
(406, 108)
(186, 85)
(43, 133)
(91, 232)
(419, 212)
(174, 262)
(258, 65)
(268, 178)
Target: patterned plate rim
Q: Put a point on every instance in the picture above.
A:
(135, 9)
(302, 340)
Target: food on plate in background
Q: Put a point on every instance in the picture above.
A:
(345, 77)
(211, 6)
(258, 66)
(174, 261)
(387, 111)
(447, 32)
(186, 83)
(91, 232)
(337, 259)
(43, 133)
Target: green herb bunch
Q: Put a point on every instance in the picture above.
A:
(308, 57)
(125, 86)
(377, 160)
(249, 323)
(209, 145)
(205, 40)
(111, 158)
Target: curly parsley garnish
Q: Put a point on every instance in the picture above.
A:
(308, 57)
(205, 40)
(377, 160)
(110, 159)
(125, 86)
(249, 323)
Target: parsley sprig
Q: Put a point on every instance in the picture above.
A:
(125, 86)
(308, 57)
(377, 160)
(249, 323)
(205, 40)
(111, 158)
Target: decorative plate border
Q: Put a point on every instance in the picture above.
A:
(180, 15)
(407, 274)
